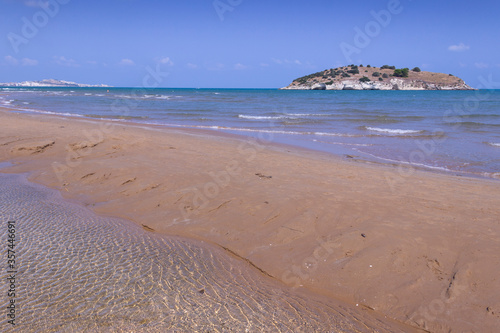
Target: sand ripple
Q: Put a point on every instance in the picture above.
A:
(78, 272)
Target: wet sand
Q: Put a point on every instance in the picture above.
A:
(78, 272)
(414, 246)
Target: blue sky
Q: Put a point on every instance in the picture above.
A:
(241, 43)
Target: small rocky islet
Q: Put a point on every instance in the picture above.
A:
(359, 77)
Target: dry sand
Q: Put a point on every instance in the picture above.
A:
(418, 247)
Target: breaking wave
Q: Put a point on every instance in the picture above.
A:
(393, 131)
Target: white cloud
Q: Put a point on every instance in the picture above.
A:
(481, 65)
(92, 62)
(29, 62)
(263, 64)
(11, 60)
(126, 62)
(459, 48)
(62, 61)
(192, 66)
(286, 62)
(164, 61)
(239, 66)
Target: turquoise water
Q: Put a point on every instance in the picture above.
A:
(449, 131)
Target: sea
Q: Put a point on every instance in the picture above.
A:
(455, 132)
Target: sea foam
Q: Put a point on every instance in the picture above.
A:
(393, 131)
(242, 116)
(493, 144)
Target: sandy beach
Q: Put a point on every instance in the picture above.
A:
(418, 247)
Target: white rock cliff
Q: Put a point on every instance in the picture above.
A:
(392, 84)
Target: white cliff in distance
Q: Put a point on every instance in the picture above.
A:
(49, 83)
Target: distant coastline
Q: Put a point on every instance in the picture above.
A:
(354, 77)
(51, 83)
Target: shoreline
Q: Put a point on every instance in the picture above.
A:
(360, 233)
(403, 167)
(393, 141)
(200, 278)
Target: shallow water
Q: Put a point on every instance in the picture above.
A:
(78, 272)
(449, 131)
